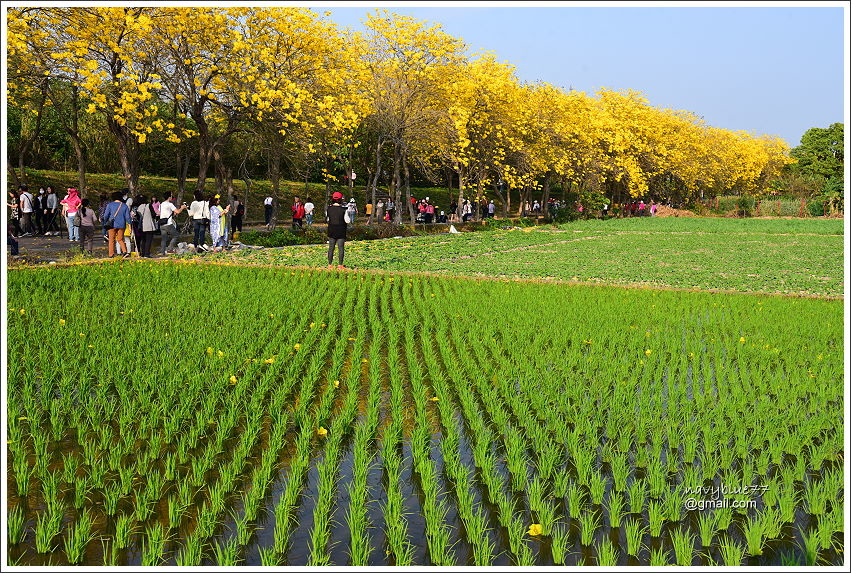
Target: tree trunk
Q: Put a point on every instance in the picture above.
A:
(501, 198)
(12, 172)
(407, 184)
(545, 198)
(397, 187)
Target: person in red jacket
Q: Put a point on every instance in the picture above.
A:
(298, 213)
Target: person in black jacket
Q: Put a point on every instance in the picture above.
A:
(335, 214)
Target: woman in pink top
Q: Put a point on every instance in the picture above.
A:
(70, 205)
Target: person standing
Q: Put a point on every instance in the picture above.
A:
(391, 209)
(308, 211)
(298, 213)
(13, 202)
(379, 211)
(26, 209)
(146, 225)
(368, 212)
(267, 210)
(199, 211)
(466, 210)
(429, 212)
(238, 214)
(216, 224)
(491, 209)
(168, 226)
(70, 205)
(351, 210)
(116, 218)
(653, 208)
(38, 211)
(336, 216)
(88, 218)
(51, 207)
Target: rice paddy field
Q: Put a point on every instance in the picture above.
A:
(172, 413)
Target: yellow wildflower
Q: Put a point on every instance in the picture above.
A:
(322, 431)
(233, 379)
(535, 529)
(61, 322)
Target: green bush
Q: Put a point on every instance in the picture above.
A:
(281, 238)
(816, 206)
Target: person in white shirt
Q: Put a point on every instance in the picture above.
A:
(168, 226)
(199, 211)
(26, 207)
(308, 211)
(267, 210)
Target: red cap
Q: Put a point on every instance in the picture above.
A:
(337, 196)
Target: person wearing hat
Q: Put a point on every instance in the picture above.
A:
(351, 210)
(336, 215)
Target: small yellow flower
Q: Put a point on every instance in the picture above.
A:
(434, 399)
(61, 322)
(82, 335)
(336, 383)
(221, 353)
(648, 352)
(271, 315)
(23, 312)
(350, 338)
(588, 342)
(209, 351)
(296, 347)
(364, 361)
(270, 360)
(691, 354)
(742, 339)
(22, 418)
(91, 346)
(312, 324)
(322, 431)
(535, 529)
(233, 379)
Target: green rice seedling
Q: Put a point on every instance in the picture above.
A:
(607, 555)
(616, 508)
(15, 525)
(683, 542)
(560, 483)
(50, 485)
(111, 497)
(731, 552)
(153, 545)
(656, 479)
(724, 517)
(23, 472)
(655, 517)
(546, 517)
(243, 529)
(659, 557)
(192, 552)
(79, 536)
(691, 477)
(575, 500)
(674, 503)
(816, 497)
(269, 557)
(109, 552)
(227, 553)
(620, 471)
(516, 532)
(535, 493)
(637, 493)
(809, 544)
(598, 487)
(559, 544)
(583, 460)
(827, 524)
(772, 524)
(634, 532)
(175, 511)
(125, 478)
(525, 557)
(124, 529)
(707, 525)
(82, 489)
(752, 531)
(589, 522)
(47, 527)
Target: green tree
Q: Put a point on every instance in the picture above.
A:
(820, 152)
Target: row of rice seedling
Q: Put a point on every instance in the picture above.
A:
(543, 423)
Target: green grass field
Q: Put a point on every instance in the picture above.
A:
(186, 413)
(770, 256)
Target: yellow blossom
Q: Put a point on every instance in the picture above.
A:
(322, 431)
(233, 379)
(62, 322)
(209, 351)
(296, 347)
(648, 352)
(742, 339)
(535, 529)
(336, 383)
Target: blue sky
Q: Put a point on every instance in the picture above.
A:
(766, 69)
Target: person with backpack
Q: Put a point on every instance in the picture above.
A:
(70, 205)
(87, 218)
(337, 217)
(145, 225)
(168, 224)
(116, 217)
